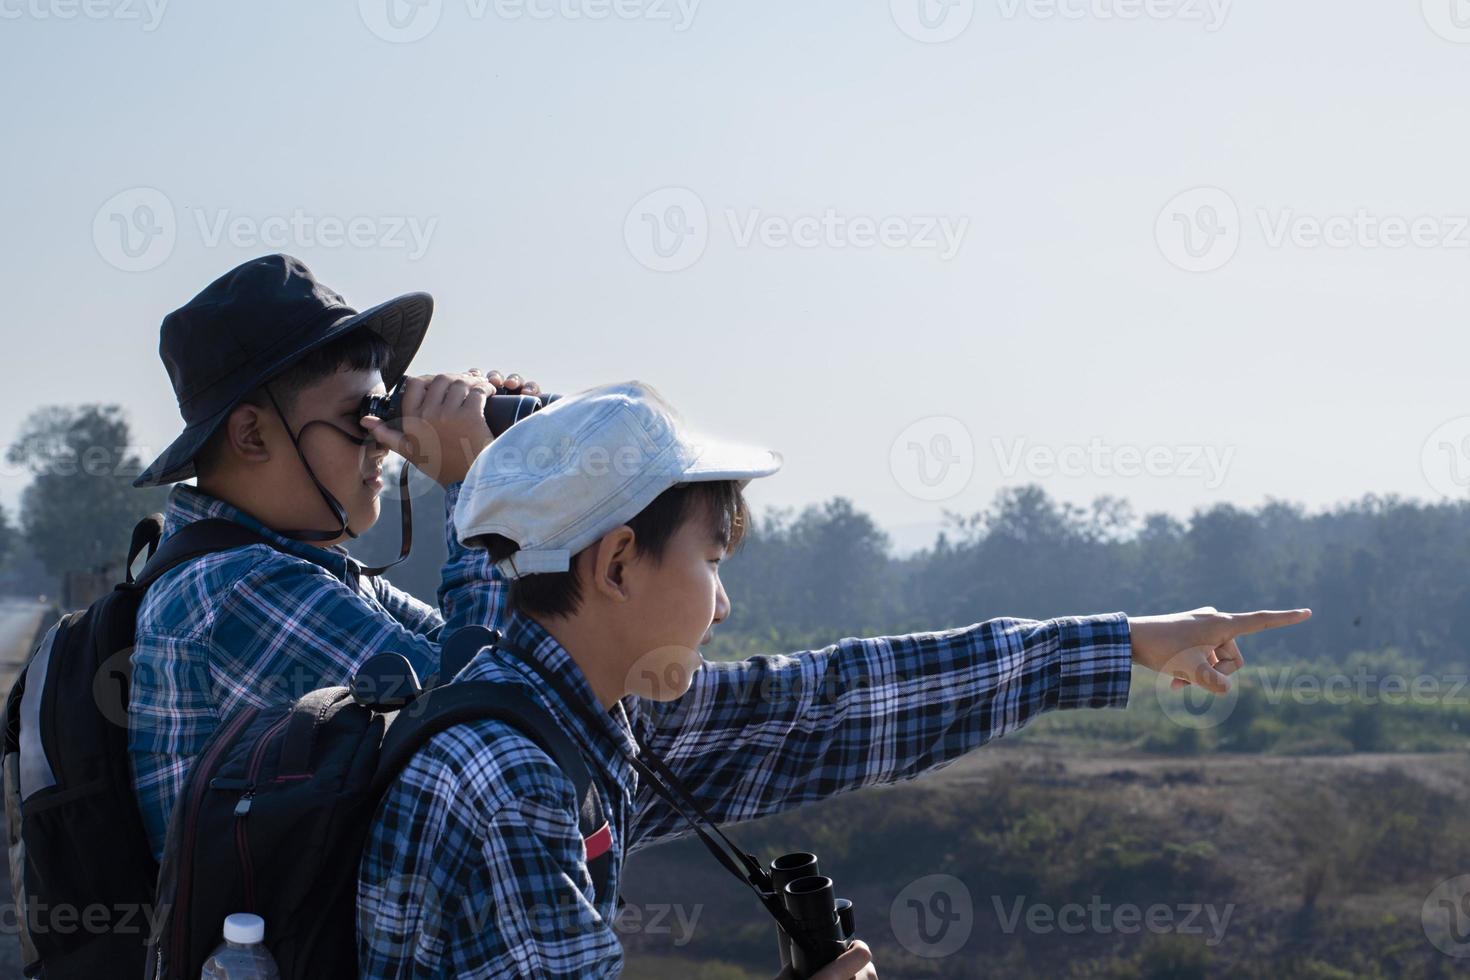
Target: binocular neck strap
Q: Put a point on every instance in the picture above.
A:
(338, 511)
(663, 782)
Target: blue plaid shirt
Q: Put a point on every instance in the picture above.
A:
(474, 867)
(261, 624)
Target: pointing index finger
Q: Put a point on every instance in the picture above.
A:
(1267, 619)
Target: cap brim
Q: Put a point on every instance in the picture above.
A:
(402, 322)
(729, 461)
(177, 461)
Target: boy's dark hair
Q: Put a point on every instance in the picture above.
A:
(720, 502)
(356, 350)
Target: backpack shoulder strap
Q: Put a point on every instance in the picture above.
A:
(442, 708)
(193, 541)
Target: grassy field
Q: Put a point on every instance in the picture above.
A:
(1074, 864)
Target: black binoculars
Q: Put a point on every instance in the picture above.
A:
(501, 411)
(826, 921)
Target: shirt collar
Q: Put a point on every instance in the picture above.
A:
(187, 504)
(602, 730)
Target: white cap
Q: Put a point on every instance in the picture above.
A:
(560, 479)
(244, 928)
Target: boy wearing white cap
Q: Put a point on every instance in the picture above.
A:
(612, 521)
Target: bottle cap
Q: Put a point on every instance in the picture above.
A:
(244, 928)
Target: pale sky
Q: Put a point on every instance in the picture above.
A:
(925, 250)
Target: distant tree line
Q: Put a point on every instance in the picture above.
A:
(1380, 572)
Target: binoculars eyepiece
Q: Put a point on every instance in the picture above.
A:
(827, 922)
(501, 411)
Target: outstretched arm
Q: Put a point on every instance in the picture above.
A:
(775, 732)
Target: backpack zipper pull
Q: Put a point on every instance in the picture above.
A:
(243, 807)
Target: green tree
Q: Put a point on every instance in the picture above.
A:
(8, 535)
(79, 510)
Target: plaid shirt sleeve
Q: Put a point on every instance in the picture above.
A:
(463, 596)
(475, 869)
(773, 733)
(281, 627)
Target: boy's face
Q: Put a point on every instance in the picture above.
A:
(678, 600)
(352, 473)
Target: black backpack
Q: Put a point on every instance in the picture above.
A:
(278, 806)
(81, 869)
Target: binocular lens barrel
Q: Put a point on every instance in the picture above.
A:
(789, 867)
(501, 411)
(504, 411)
(812, 902)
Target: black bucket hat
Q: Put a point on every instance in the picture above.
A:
(248, 326)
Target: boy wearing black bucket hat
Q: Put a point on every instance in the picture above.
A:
(269, 367)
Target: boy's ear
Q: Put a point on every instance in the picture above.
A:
(243, 436)
(611, 556)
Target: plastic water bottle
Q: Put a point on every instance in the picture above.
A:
(242, 956)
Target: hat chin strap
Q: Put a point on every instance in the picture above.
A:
(338, 511)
